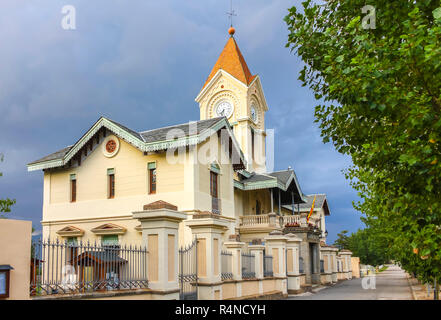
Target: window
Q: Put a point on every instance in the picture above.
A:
(152, 177)
(252, 143)
(213, 184)
(4, 280)
(111, 183)
(73, 188)
(110, 240)
(72, 244)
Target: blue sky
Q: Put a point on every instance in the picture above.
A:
(142, 63)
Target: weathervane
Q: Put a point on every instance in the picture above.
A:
(231, 14)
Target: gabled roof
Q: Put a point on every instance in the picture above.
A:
(320, 202)
(277, 179)
(151, 140)
(232, 61)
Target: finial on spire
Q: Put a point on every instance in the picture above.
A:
(231, 14)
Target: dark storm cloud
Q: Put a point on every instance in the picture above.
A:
(142, 63)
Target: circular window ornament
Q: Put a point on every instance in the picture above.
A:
(110, 146)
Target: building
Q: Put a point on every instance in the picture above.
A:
(211, 167)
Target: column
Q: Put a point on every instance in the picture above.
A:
(292, 264)
(276, 246)
(208, 232)
(236, 248)
(257, 250)
(159, 223)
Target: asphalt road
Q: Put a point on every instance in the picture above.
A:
(390, 284)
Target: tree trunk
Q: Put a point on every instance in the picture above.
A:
(436, 295)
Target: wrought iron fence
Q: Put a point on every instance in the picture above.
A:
(59, 267)
(226, 265)
(301, 265)
(248, 265)
(188, 272)
(268, 266)
(322, 266)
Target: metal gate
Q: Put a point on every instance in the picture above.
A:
(188, 272)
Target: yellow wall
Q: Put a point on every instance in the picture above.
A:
(15, 250)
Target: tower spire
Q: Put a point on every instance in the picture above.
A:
(231, 14)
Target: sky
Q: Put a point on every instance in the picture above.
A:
(142, 63)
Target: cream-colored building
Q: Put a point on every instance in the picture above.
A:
(213, 170)
(215, 165)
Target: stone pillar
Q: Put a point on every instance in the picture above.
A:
(159, 224)
(334, 264)
(208, 232)
(275, 244)
(326, 276)
(258, 250)
(292, 263)
(303, 222)
(347, 267)
(236, 248)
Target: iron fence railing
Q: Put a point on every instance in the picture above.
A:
(248, 265)
(59, 267)
(268, 266)
(322, 266)
(226, 265)
(188, 271)
(301, 265)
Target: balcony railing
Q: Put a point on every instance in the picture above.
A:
(291, 219)
(254, 220)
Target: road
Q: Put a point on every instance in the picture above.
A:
(390, 284)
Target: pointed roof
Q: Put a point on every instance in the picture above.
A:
(232, 61)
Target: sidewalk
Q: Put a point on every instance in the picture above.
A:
(419, 291)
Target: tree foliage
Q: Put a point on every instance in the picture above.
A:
(342, 241)
(379, 103)
(5, 204)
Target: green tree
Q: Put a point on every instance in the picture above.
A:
(342, 241)
(5, 204)
(379, 102)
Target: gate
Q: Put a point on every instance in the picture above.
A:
(188, 272)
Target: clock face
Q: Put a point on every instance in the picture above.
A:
(224, 108)
(253, 113)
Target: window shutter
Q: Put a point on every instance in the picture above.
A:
(73, 177)
(110, 171)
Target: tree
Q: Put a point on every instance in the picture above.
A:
(342, 241)
(5, 204)
(379, 92)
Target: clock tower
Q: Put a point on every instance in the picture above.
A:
(232, 91)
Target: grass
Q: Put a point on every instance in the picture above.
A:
(382, 269)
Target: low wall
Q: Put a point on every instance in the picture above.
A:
(139, 294)
(355, 263)
(240, 289)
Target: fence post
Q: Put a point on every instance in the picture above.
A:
(236, 248)
(257, 250)
(208, 231)
(159, 223)
(276, 246)
(293, 259)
